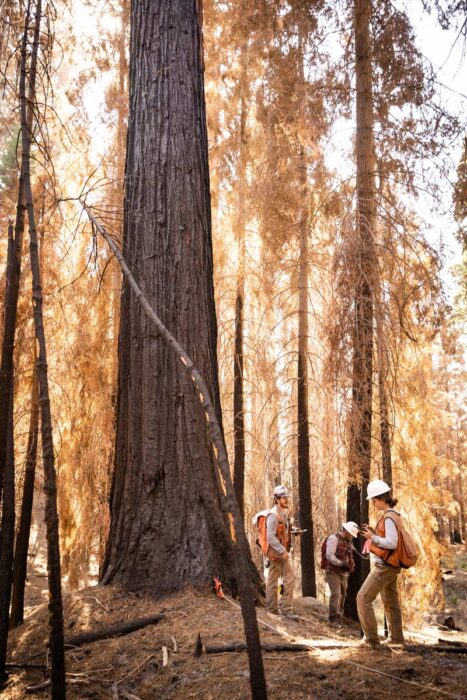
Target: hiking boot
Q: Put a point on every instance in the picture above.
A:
(291, 616)
(369, 643)
(335, 624)
(397, 644)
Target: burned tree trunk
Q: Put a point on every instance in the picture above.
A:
(7, 470)
(239, 413)
(7, 536)
(169, 525)
(22, 538)
(304, 477)
(362, 369)
(50, 486)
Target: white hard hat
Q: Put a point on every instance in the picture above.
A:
(351, 528)
(280, 491)
(376, 488)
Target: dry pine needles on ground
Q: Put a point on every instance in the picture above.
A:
(157, 661)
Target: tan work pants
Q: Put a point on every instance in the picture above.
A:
(338, 586)
(283, 568)
(382, 579)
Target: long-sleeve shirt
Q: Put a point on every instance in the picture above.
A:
(331, 547)
(390, 541)
(271, 529)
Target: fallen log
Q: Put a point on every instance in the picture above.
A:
(425, 648)
(452, 643)
(42, 667)
(266, 646)
(112, 631)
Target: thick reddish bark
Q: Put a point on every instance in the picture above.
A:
(170, 523)
(163, 457)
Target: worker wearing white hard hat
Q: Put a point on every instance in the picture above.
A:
(337, 562)
(279, 532)
(383, 545)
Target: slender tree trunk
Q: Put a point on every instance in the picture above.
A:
(7, 537)
(12, 291)
(50, 486)
(303, 461)
(361, 412)
(384, 422)
(303, 457)
(22, 539)
(7, 475)
(164, 462)
(9, 328)
(239, 414)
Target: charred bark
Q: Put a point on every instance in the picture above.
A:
(362, 369)
(7, 475)
(22, 539)
(7, 537)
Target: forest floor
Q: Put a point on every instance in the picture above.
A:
(131, 667)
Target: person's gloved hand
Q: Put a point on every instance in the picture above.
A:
(345, 566)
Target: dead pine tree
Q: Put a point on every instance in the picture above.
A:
(50, 487)
(364, 266)
(303, 440)
(239, 358)
(7, 477)
(180, 530)
(384, 420)
(7, 532)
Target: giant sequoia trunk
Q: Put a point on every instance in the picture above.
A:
(168, 527)
(362, 369)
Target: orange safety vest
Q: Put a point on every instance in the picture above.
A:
(283, 534)
(389, 556)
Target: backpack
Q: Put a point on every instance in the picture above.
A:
(262, 536)
(407, 548)
(323, 554)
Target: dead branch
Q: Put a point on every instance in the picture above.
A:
(112, 631)
(132, 673)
